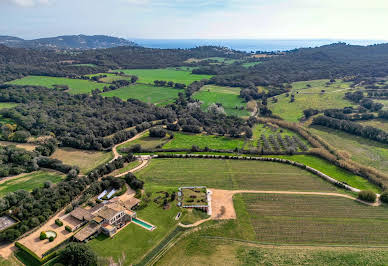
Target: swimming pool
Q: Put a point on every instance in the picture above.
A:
(143, 224)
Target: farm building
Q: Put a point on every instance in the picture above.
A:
(194, 198)
(106, 218)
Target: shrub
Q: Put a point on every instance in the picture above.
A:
(51, 238)
(367, 195)
(43, 235)
(58, 222)
(384, 197)
(158, 132)
(68, 228)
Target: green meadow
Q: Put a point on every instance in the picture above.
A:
(310, 97)
(77, 86)
(227, 96)
(146, 93)
(29, 181)
(167, 74)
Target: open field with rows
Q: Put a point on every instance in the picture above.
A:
(230, 174)
(146, 93)
(315, 220)
(29, 181)
(227, 96)
(186, 141)
(361, 150)
(135, 241)
(85, 160)
(226, 252)
(76, 86)
(311, 97)
(168, 74)
(270, 137)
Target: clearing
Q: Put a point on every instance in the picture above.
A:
(310, 97)
(77, 86)
(186, 141)
(85, 160)
(167, 74)
(227, 96)
(146, 93)
(28, 181)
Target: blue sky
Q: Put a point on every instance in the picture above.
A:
(221, 19)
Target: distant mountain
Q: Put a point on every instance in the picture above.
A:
(81, 42)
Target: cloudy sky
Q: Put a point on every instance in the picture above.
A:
(228, 19)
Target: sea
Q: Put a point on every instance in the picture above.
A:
(248, 45)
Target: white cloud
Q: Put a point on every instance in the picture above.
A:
(27, 3)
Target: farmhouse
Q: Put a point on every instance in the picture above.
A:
(106, 218)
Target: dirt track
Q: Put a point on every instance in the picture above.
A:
(114, 148)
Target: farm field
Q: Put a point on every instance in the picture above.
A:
(85, 160)
(145, 141)
(296, 218)
(361, 150)
(135, 241)
(226, 252)
(230, 174)
(109, 77)
(332, 170)
(28, 181)
(146, 93)
(26, 146)
(250, 64)
(77, 86)
(227, 96)
(186, 141)
(378, 123)
(127, 167)
(309, 98)
(150, 75)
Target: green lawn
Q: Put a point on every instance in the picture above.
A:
(146, 93)
(76, 86)
(167, 74)
(230, 174)
(186, 141)
(29, 181)
(305, 98)
(227, 96)
(134, 241)
(361, 150)
(312, 219)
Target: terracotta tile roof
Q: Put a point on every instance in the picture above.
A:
(81, 214)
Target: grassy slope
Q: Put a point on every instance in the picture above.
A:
(177, 76)
(29, 181)
(146, 93)
(228, 97)
(135, 241)
(76, 86)
(363, 151)
(182, 140)
(86, 160)
(7, 105)
(310, 98)
(230, 174)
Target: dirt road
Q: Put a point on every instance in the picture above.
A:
(114, 148)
